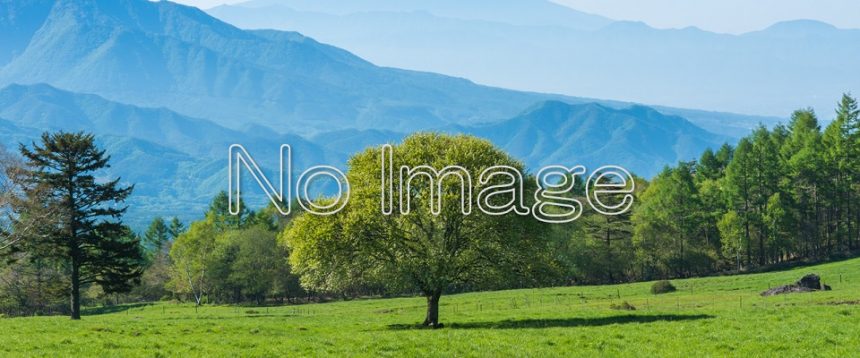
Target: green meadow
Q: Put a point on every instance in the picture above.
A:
(715, 316)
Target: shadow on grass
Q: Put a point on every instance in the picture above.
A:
(93, 311)
(561, 322)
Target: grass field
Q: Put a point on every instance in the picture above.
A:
(719, 316)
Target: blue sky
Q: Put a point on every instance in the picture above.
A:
(730, 16)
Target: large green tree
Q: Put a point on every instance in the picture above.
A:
(193, 251)
(419, 250)
(85, 232)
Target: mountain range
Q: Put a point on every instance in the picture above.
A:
(164, 54)
(639, 138)
(167, 88)
(499, 42)
(177, 163)
(160, 54)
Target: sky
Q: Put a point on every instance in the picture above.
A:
(726, 16)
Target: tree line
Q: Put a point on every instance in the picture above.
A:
(783, 194)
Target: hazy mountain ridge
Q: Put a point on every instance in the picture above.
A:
(167, 55)
(169, 88)
(638, 138)
(520, 12)
(786, 66)
(173, 160)
(164, 54)
(179, 163)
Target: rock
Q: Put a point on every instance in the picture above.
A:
(808, 283)
(811, 281)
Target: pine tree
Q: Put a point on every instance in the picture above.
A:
(724, 155)
(840, 139)
(668, 223)
(156, 236)
(803, 163)
(708, 166)
(766, 174)
(848, 115)
(176, 228)
(738, 187)
(86, 233)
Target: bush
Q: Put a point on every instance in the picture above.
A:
(662, 287)
(624, 306)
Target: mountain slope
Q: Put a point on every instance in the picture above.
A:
(519, 12)
(770, 72)
(45, 107)
(160, 54)
(637, 138)
(177, 163)
(164, 54)
(172, 88)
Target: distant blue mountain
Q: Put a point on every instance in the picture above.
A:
(160, 54)
(177, 163)
(770, 72)
(163, 54)
(167, 88)
(518, 12)
(637, 138)
(45, 107)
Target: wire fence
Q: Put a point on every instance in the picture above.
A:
(536, 301)
(689, 297)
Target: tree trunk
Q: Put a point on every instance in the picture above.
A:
(76, 292)
(432, 319)
(747, 235)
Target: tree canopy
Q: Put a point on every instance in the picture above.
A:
(418, 250)
(85, 233)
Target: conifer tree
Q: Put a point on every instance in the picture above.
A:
(86, 233)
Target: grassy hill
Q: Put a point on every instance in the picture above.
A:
(717, 316)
